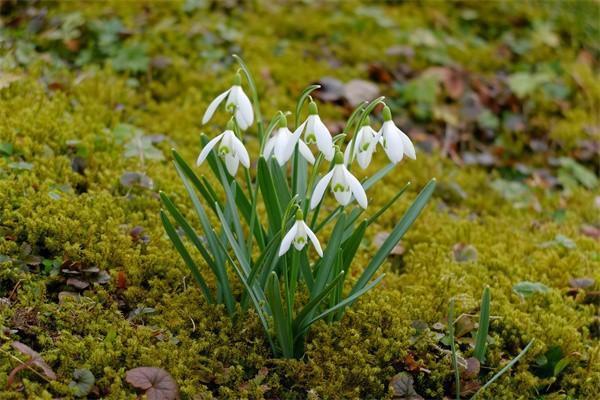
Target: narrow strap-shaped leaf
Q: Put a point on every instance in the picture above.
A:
(267, 188)
(328, 218)
(280, 182)
(311, 306)
(368, 183)
(453, 349)
(218, 270)
(324, 265)
(237, 250)
(258, 300)
(350, 245)
(282, 322)
(306, 271)
(484, 323)
(185, 255)
(204, 221)
(392, 240)
(387, 205)
(348, 300)
(503, 370)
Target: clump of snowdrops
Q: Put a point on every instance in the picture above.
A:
(296, 171)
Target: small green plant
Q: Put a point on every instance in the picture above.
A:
(270, 257)
(480, 344)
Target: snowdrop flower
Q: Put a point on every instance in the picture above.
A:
(315, 131)
(231, 150)
(283, 142)
(395, 142)
(344, 185)
(297, 235)
(364, 145)
(237, 103)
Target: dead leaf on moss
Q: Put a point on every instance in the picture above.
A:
(402, 387)
(156, 383)
(34, 359)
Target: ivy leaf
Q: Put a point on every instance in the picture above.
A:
(526, 289)
(156, 383)
(83, 382)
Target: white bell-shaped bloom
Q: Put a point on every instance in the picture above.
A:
(237, 103)
(282, 143)
(315, 131)
(344, 185)
(364, 146)
(231, 150)
(395, 142)
(298, 235)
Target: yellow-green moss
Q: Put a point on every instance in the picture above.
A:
(209, 355)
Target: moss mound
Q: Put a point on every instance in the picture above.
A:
(81, 82)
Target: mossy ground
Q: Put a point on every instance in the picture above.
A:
(55, 111)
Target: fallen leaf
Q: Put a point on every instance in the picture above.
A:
(156, 383)
(464, 252)
(402, 387)
(331, 90)
(472, 367)
(35, 359)
(581, 283)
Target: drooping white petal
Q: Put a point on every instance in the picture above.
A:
(241, 151)
(243, 112)
(305, 151)
(232, 162)
(209, 146)
(287, 239)
(283, 145)
(339, 185)
(324, 140)
(300, 238)
(409, 149)
(357, 190)
(213, 106)
(313, 239)
(269, 146)
(317, 194)
(392, 142)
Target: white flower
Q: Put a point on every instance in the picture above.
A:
(237, 103)
(283, 142)
(231, 150)
(315, 131)
(364, 146)
(395, 142)
(344, 185)
(297, 235)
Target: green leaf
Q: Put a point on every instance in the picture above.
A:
(282, 322)
(348, 300)
(218, 269)
(186, 256)
(484, 323)
(141, 146)
(503, 370)
(6, 149)
(267, 188)
(392, 240)
(132, 58)
(324, 265)
(453, 348)
(312, 305)
(83, 382)
(526, 289)
(387, 205)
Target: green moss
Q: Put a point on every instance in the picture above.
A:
(209, 355)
